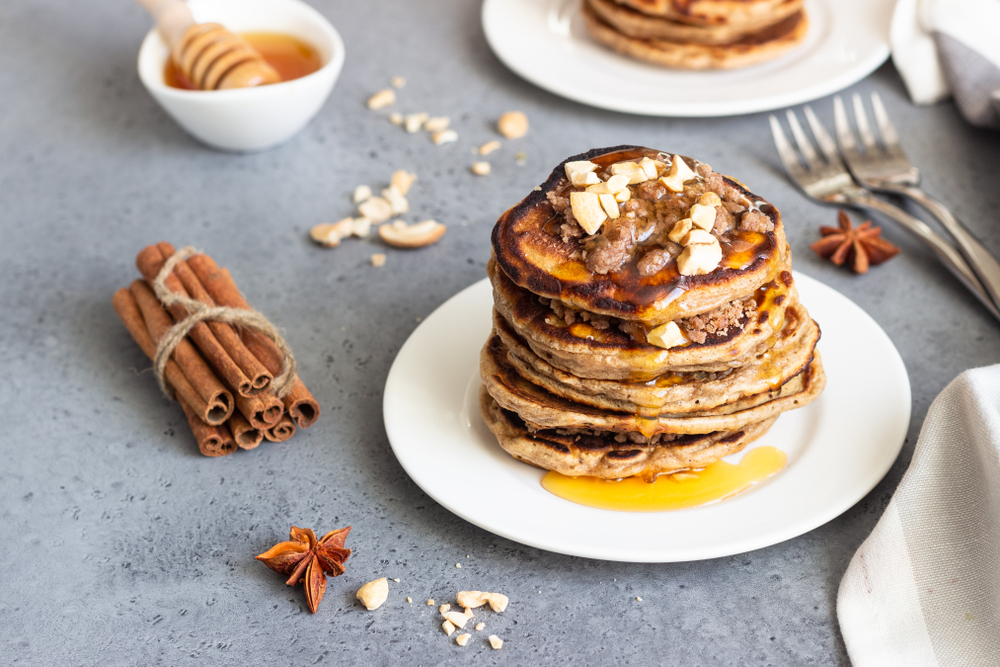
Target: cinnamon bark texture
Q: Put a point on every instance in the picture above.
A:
(226, 376)
(300, 403)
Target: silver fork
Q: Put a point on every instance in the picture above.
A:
(827, 180)
(885, 168)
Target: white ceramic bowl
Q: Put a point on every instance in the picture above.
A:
(248, 119)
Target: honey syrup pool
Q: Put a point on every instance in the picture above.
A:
(291, 57)
(677, 491)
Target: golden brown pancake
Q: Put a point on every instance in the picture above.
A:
(633, 23)
(602, 455)
(530, 251)
(767, 44)
(747, 13)
(674, 393)
(543, 409)
(614, 354)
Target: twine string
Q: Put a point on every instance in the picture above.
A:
(201, 312)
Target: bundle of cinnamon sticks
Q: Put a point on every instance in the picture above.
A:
(220, 374)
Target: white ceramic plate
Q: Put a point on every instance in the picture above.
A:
(545, 42)
(838, 447)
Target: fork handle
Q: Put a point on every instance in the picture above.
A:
(981, 261)
(947, 253)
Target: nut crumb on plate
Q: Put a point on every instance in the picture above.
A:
(430, 603)
(361, 193)
(463, 639)
(409, 599)
(496, 642)
(382, 99)
(396, 118)
(448, 627)
(444, 608)
(403, 181)
(420, 234)
(457, 619)
(480, 626)
(396, 200)
(437, 123)
(513, 125)
(376, 209)
(481, 168)
(414, 121)
(378, 259)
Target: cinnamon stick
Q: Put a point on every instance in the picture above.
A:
(216, 402)
(299, 403)
(261, 411)
(283, 430)
(260, 377)
(246, 436)
(212, 440)
(149, 262)
(214, 410)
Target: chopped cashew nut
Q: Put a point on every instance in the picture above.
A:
(475, 599)
(437, 123)
(376, 209)
(698, 236)
(609, 204)
(480, 626)
(448, 627)
(403, 181)
(414, 121)
(612, 186)
(361, 227)
(579, 167)
(666, 336)
(382, 99)
(444, 137)
(709, 199)
(457, 619)
(463, 639)
(702, 216)
(374, 594)
(680, 230)
(587, 211)
(409, 599)
(489, 147)
(633, 170)
(699, 258)
(378, 259)
(679, 174)
(496, 642)
(361, 193)
(513, 124)
(458, 565)
(430, 603)
(396, 200)
(396, 118)
(581, 179)
(325, 235)
(638, 599)
(649, 166)
(444, 608)
(481, 168)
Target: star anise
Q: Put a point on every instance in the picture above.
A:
(862, 246)
(309, 560)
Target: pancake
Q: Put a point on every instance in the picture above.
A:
(633, 23)
(673, 393)
(753, 48)
(532, 248)
(749, 14)
(613, 354)
(602, 455)
(543, 409)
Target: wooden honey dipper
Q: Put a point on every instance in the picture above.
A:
(211, 57)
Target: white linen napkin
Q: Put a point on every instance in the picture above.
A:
(950, 47)
(924, 588)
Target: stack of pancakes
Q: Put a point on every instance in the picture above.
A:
(697, 34)
(579, 375)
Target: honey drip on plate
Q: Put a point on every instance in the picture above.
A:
(682, 490)
(289, 56)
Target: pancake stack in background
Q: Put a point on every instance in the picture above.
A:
(697, 34)
(645, 319)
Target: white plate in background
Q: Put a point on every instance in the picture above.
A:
(545, 42)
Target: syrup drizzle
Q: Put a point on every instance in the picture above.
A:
(681, 490)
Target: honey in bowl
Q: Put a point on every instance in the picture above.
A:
(290, 56)
(682, 490)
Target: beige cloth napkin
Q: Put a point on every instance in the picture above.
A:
(924, 588)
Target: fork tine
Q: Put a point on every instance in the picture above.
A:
(804, 143)
(826, 143)
(889, 137)
(861, 120)
(785, 151)
(844, 134)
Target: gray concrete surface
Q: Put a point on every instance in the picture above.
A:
(120, 545)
